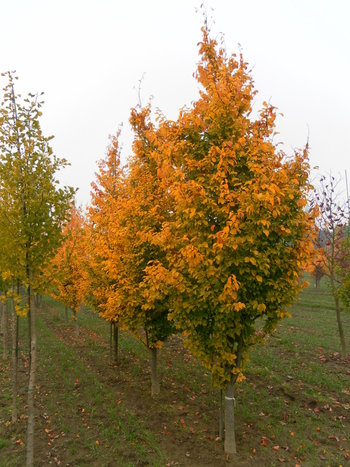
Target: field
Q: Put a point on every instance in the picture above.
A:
(293, 407)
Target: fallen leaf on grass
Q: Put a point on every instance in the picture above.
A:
(281, 459)
(333, 437)
(276, 448)
(263, 441)
(322, 458)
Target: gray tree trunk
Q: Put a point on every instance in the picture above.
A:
(221, 420)
(31, 385)
(76, 328)
(14, 360)
(4, 330)
(29, 291)
(155, 384)
(230, 439)
(110, 341)
(115, 353)
(66, 313)
(340, 327)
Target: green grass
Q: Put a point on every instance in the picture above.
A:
(286, 395)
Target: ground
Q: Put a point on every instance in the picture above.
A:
(293, 407)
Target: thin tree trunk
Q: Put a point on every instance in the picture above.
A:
(116, 335)
(31, 385)
(17, 340)
(76, 328)
(340, 327)
(5, 327)
(29, 327)
(2, 318)
(230, 439)
(14, 358)
(66, 314)
(155, 384)
(110, 341)
(221, 418)
(17, 329)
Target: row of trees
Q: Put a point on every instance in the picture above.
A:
(204, 231)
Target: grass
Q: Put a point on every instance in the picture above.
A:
(295, 396)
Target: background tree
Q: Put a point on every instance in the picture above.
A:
(332, 227)
(69, 282)
(104, 258)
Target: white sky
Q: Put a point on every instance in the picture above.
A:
(88, 56)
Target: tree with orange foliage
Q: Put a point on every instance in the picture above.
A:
(69, 283)
(104, 263)
(237, 234)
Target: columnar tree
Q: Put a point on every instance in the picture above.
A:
(145, 208)
(239, 233)
(104, 252)
(69, 283)
(36, 208)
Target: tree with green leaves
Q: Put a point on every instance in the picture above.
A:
(34, 207)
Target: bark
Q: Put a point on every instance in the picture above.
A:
(14, 360)
(340, 327)
(31, 385)
(221, 418)
(110, 341)
(230, 439)
(2, 319)
(155, 384)
(17, 328)
(76, 328)
(4, 329)
(66, 314)
(29, 327)
(116, 335)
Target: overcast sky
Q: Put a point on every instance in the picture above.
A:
(88, 56)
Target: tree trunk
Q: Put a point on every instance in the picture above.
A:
(155, 384)
(115, 353)
(31, 385)
(4, 329)
(76, 328)
(110, 341)
(2, 319)
(29, 327)
(14, 359)
(221, 418)
(66, 314)
(340, 327)
(17, 328)
(230, 439)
